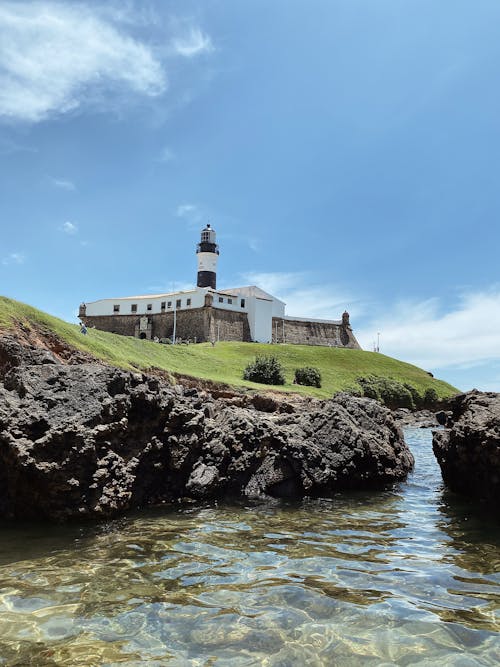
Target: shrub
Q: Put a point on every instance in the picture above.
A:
(308, 376)
(417, 398)
(431, 397)
(387, 391)
(266, 370)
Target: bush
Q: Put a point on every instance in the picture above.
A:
(387, 391)
(308, 376)
(266, 370)
(431, 397)
(417, 398)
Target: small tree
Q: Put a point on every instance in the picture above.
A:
(308, 376)
(266, 370)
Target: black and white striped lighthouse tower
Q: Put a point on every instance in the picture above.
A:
(208, 254)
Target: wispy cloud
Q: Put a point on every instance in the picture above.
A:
(169, 286)
(63, 184)
(166, 155)
(54, 57)
(14, 258)
(69, 228)
(190, 213)
(8, 147)
(186, 210)
(192, 43)
(254, 244)
(430, 335)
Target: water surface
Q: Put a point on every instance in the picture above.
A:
(408, 576)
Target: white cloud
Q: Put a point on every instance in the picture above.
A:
(170, 286)
(191, 214)
(254, 244)
(167, 155)
(8, 147)
(425, 334)
(54, 57)
(193, 43)
(275, 283)
(63, 184)
(14, 258)
(186, 210)
(69, 228)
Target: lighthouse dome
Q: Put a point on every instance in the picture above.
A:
(208, 235)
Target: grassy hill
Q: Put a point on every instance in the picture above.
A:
(224, 362)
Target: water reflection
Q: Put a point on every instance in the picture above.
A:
(402, 577)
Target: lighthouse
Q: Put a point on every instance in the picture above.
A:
(208, 254)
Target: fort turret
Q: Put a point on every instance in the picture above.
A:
(208, 254)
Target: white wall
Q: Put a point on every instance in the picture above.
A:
(225, 305)
(278, 308)
(106, 306)
(260, 319)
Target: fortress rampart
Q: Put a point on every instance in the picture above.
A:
(212, 324)
(313, 332)
(200, 324)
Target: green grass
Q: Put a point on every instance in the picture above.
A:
(225, 362)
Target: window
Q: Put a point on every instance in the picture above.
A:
(163, 305)
(178, 303)
(243, 303)
(133, 308)
(149, 306)
(188, 302)
(116, 308)
(169, 304)
(230, 301)
(221, 300)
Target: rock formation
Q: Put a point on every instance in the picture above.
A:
(469, 450)
(81, 439)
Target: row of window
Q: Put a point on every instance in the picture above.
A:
(230, 301)
(167, 305)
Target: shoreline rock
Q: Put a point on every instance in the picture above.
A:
(468, 451)
(83, 440)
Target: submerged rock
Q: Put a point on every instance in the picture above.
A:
(468, 452)
(89, 440)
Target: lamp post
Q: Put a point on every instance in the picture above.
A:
(378, 341)
(175, 321)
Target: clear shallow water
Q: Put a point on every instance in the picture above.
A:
(409, 576)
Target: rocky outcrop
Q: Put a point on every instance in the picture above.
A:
(469, 450)
(88, 440)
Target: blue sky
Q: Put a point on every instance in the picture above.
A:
(346, 151)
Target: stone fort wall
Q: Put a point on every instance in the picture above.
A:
(309, 332)
(200, 324)
(212, 324)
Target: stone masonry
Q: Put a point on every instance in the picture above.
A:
(199, 324)
(310, 332)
